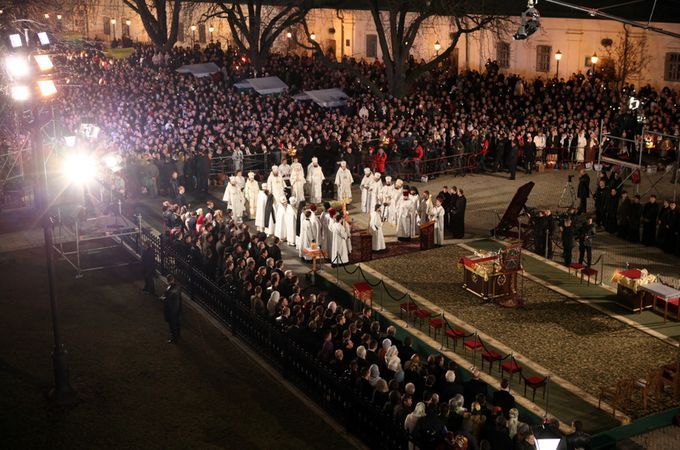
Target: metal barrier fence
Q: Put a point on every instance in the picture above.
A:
(332, 392)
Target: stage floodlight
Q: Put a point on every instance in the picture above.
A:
(70, 141)
(15, 40)
(44, 62)
(17, 66)
(43, 38)
(547, 444)
(79, 168)
(47, 88)
(20, 93)
(633, 103)
(113, 162)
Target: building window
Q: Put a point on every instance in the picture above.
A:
(125, 27)
(107, 26)
(671, 70)
(503, 54)
(201, 33)
(371, 46)
(543, 57)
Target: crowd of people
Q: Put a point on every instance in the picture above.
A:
(424, 394)
(149, 112)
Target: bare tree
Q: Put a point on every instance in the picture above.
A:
(398, 23)
(154, 15)
(629, 55)
(255, 24)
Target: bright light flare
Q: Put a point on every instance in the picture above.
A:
(17, 67)
(79, 168)
(113, 162)
(44, 62)
(43, 38)
(47, 88)
(21, 93)
(15, 40)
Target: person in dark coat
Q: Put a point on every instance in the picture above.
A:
(650, 213)
(202, 172)
(583, 191)
(600, 197)
(634, 217)
(512, 153)
(623, 216)
(172, 308)
(474, 386)
(429, 431)
(610, 223)
(529, 154)
(585, 242)
(672, 228)
(567, 241)
(661, 223)
(503, 398)
(274, 250)
(458, 220)
(148, 268)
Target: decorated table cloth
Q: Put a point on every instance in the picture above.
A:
(633, 279)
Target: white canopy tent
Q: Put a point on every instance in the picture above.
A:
(327, 98)
(263, 86)
(199, 70)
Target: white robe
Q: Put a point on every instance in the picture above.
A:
(344, 180)
(290, 221)
(297, 181)
(259, 211)
(325, 221)
(376, 228)
(396, 194)
(415, 214)
(375, 189)
(306, 237)
(339, 246)
(386, 199)
(276, 187)
(280, 228)
(365, 186)
(437, 214)
(315, 178)
(405, 216)
(251, 192)
(235, 200)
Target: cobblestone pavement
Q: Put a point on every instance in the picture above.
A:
(666, 438)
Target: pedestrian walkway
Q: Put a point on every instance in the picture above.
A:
(558, 278)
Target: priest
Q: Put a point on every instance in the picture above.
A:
(343, 181)
(297, 180)
(280, 214)
(376, 228)
(276, 185)
(308, 234)
(315, 180)
(365, 186)
(233, 196)
(252, 192)
(290, 218)
(405, 214)
(340, 237)
(437, 214)
(374, 192)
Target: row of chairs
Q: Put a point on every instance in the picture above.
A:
(630, 395)
(471, 344)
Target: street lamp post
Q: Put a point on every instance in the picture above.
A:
(211, 29)
(593, 60)
(128, 23)
(558, 57)
(437, 47)
(113, 27)
(23, 91)
(193, 35)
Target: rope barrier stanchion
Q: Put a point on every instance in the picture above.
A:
(443, 347)
(381, 298)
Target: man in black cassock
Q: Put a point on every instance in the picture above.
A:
(446, 197)
(600, 197)
(148, 268)
(650, 212)
(172, 308)
(610, 223)
(458, 221)
(567, 241)
(661, 220)
(634, 217)
(583, 191)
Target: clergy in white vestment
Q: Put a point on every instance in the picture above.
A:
(340, 237)
(365, 187)
(415, 218)
(397, 195)
(315, 179)
(280, 226)
(297, 181)
(424, 207)
(387, 200)
(290, 218)
(344, 180)
(405, 214)
(306, 234)
(437, 214)
(262, 197)
(276, 185)
(233, 196)
(376, 228)
(240, 181)
(374, 190)
(251, 192)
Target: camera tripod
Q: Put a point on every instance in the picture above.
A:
(568, 193)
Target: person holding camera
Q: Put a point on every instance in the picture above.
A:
(583, 191)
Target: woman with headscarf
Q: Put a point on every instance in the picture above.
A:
(373, 374)
(411, 421)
